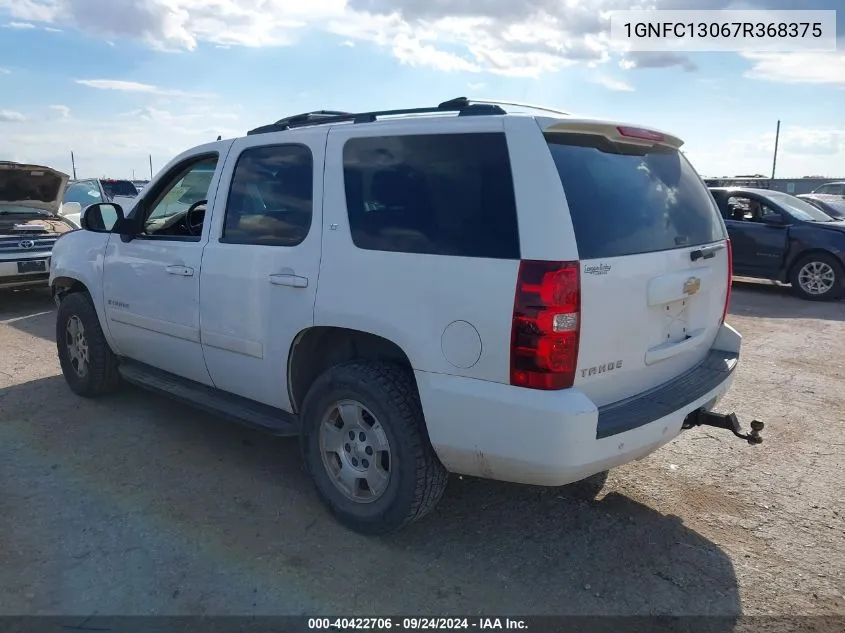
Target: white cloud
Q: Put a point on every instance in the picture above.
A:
(61, 110)
(480, 85)
(5, 71)
(506, 37)
(804, 67)
(613, 84)
(509, 38)
(802, 151)
(18, 25)
(11, 116)
(131, 86)
(116, 145)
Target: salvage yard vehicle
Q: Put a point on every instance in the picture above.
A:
(521, 297)
(30, 222)
(93, 190)
(784, 238)
(834, 206)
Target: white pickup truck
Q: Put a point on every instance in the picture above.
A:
(533, 299)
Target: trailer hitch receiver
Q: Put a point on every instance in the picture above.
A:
(727, 421)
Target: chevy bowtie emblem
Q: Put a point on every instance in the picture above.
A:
(692, 285)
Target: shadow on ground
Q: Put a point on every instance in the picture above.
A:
(766, 299)
(123, 504)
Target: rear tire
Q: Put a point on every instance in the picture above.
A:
(365, 447)
(818, 277)
(88, 363)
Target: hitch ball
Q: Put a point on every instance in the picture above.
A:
(754, 436)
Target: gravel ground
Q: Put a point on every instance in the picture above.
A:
(135, 505)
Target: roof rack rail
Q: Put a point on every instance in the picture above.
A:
(520, 105)
(461, 105)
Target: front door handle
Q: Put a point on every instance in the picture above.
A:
(183, 271)
(289, 279)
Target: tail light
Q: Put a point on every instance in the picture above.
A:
(546, 325)
(730, 281)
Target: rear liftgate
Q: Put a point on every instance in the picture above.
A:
(728, 421)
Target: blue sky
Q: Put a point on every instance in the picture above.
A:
(118, 80)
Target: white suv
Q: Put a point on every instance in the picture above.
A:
(526, 298)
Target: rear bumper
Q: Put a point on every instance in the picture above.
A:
(497, 431)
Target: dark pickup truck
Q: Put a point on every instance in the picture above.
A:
(780, 237)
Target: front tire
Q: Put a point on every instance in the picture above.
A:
(818, 277)
(88, 364)
(365, 447)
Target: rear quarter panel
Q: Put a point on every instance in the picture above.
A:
(412, 299)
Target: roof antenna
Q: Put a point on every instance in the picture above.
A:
(219, 137)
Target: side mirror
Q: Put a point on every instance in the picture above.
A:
(773, 219)
(101, 217)
(70, 208)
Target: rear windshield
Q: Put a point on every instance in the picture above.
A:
(119, 188)
(626, 199)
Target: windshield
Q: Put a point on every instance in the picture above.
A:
(625, 199)
(834, 208)
(799, 209)
(123, 188)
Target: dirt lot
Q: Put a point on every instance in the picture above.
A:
(135, 505)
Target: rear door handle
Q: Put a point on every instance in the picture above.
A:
(289, 279)
(183, 271)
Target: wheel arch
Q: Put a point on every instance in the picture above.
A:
(62, 286)
(803, 255)
(316, 349)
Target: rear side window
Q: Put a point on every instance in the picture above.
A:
(626, 200)
(440, 194)
(271, 197)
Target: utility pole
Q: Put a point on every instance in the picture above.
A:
(73, 164)
(775, 159)
(151, 166)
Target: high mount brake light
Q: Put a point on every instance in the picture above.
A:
(641, 133)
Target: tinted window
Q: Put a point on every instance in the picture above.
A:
(85, 193)
(271, 197)
(443, 194)
(123, 188)
(626, 199)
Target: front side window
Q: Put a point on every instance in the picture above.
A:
(187, 187)
(271, 198)
(440, 194)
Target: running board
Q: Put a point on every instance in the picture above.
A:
(241, 410)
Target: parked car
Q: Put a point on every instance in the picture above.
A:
(834, 206)
(93, 190)
(832, 189)
(781, 237)
(526, 298)
(30, 222)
